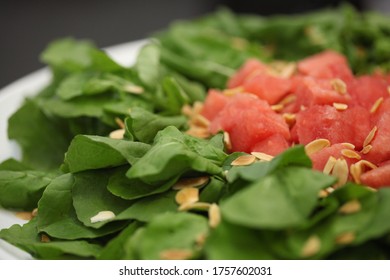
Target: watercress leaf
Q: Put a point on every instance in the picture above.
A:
(283, 199)
(145, 125)
(90, 196)
(23, 188)
(94, 152)
(171, 231)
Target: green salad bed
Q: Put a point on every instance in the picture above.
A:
(109, 172)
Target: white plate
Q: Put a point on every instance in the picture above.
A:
(11, 97)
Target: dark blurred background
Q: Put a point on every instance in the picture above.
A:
(28, 26)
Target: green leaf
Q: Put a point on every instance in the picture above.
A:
(22, 189)
(94, 152)
(27, 238)
(148, 64)
(281, 200)
(175, 97)
(171, 231)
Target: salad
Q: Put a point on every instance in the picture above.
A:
(231, 137)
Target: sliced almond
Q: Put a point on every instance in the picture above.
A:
(227, 141)
(34, 212)
(27, 216)
(233, 91)
(200, 121)
(199, 132)
(289, 118)
(120, 123)
(350, 207)
(376, 105)
(350, 154)
(191, 182)
(341, 171)
(117, 134)
(288, 99)
(277, 107)
(186, 110)
(322, 193)
(176, 254)
(345, 238)
(370, 136)
(316, 146)
(348, 145)
(356, 172)
(197, 107)
(288, 70)
(366, 149)
(339, 86)
(202, 206)
(244, 160)
(134, 89)
(187, 196)
(329, 165)
(311, 247)
(340, 106)
(45, 238)
(262, 156)
(214, 215)
(102, 216)
(201, 239)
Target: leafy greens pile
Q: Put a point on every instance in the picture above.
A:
(71, 170)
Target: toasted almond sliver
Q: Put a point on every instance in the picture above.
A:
(176, 254)
(322, 193)
(348, 145)
(197, 107)
(187, 196)
(316, 146)
(329, 165)
(227, 141)
(191, 182)
(24, 215)
(350, 207)
(199, 132)
(366, 163)
(288, 70)
(388, 89)
(233, 91)
(341, 171)
(134, 89)
(366, 149)
(214, 215)
(200, 121)
(345, 238)
(34, 212)
(339, 86)
(288, 99)
(244, 160)
(370, 136)
(102, 216)
(120, 123)
(117, 134)
(45, 238)
(356, 172)
(277, 107)
(204, 206)
(340, 106)
(376, 105)
(350, 154)
(311, 247)
(262, 156)
(289, 119)
(186, 110)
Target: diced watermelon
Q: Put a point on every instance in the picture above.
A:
(272, 145)
(366, 90)
(321, 157)
(326, 65)
(378, 177)
(251, 67)
(267, 87)
(380, 151)
(213, 104)
(248, 120)
(318, 92)
(351, 125)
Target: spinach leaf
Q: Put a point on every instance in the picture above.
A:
(148, 65)
(94, 152)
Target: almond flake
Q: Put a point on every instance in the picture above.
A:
(311, 247)
(200, 121)
(289, 119)
(341, 171)
(350, 154)
(191, 182)
(340, 106)
(176, 254)
(102, 216)
(350, 207)
(120, 123)
(27, 216)
(348, 145)
(214, 215)
(329, 165)
(45, 238)
(288, 70)
(203, 206)
(288, 99)
(34, 212)
(316, 146)
(197, 107)
(322, 193)
(359, 167)
(339, 86)
(186, 110)
(187, 195)
(130, 88)
(226, 140)
(366, 149)
(388, 89)
(370, 136)
(117, 134)
(277, 107)
(262, 156)
(376, 105)
(244, 160)
(345, 238)
(233, 91)
(199, 132)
